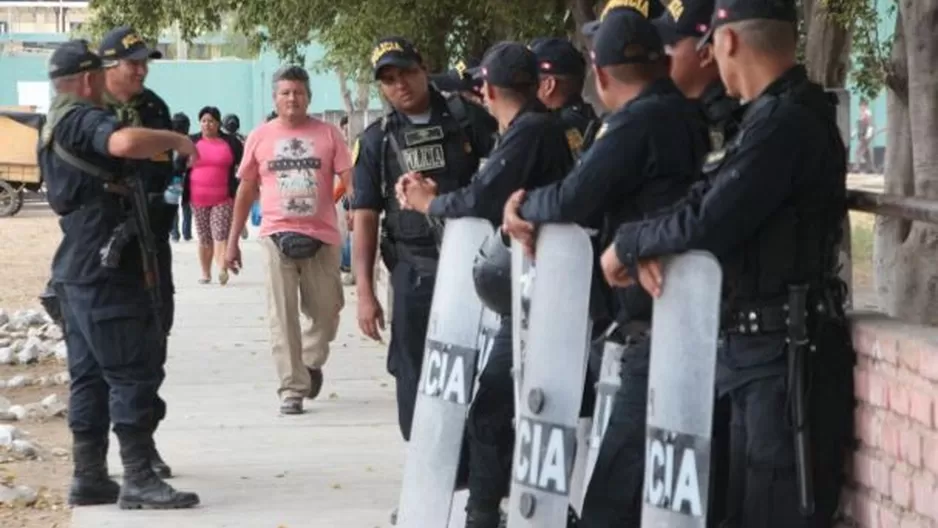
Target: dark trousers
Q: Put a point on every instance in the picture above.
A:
(490, 434)
(413, 294)
(114, 357)
(167, 316)
(186, 222)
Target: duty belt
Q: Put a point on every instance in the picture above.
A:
(772, 317)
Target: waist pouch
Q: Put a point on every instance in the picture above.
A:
(296, 245)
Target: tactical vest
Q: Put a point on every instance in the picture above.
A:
(798, 243)
(441, 150)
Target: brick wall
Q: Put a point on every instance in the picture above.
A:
(895, 469)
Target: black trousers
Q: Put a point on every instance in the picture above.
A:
(413, 294)
(114, 358)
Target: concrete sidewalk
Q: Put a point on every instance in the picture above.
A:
(337, 465)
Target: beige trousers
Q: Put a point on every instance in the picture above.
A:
(312, 287)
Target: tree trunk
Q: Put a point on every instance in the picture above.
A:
(827, 46)
(346, 94)
(582, 11)
(906, 252)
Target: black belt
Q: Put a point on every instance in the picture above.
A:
(755, 321)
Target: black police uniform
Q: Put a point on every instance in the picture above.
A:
(530, 153)
(148, 110)
(773, 217)
(560, 57)
(112, 332)
(644, 158)
(447, 149)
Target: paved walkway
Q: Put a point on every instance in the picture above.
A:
(337, 465)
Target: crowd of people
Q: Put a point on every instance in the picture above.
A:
(714, 139)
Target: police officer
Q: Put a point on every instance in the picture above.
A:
(563, 72)
(126, 57)
(773, 217)
(231, 124)
(646, 154)
(693, 68)
(111, 330)
(531, 152)
(443, 139)
(181, 124)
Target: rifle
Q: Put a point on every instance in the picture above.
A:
(797, 386)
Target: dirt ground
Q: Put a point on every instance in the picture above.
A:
(29, 240)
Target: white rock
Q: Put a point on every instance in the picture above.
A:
(4, 403)
(50, 400)
(56, 410)
(62, 378)
(7, 357)
(27, 318)
(18, 496)
(61, 351)
(8, 434)
(30, 352)
(7, 416)
(24, 448)
(19, 411)
(3, 317)
(18, 341)
(53, 332)
(18, 381)
(34, 331)
(5, 341)
(59, 452)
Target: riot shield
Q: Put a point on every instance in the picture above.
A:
(684, 331)
(554, 368)
(447, 380)
(522, 277)
(606, 388)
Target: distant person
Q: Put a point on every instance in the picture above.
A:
(181, 124)
(341, 196)
(291, 163)
(211, 185)
(231, 125)
(864, 134)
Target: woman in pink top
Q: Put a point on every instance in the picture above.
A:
(210, 186)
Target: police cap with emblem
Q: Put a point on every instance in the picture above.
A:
(684, 19)
(728, 11)
(648, 9)
(124, 43)
(459, 79)
(558, 56)
(73, 57)
(394, 51)
(626, 37)
(509, 65)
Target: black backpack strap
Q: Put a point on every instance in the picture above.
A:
(81, 164)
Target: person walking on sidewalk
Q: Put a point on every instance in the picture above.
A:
(291, 161)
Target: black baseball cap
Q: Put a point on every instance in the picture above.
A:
(460, 78)
(626, 37)
(640, 6)
(394, 51)
(72, 57)
(683, 19)
(558, 56)
(727, 11)
(125, 43)
(509, 65)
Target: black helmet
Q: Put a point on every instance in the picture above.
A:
(491, 273)
(231, 123)
(181, 123)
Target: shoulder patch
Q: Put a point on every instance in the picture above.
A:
(356, 150)
(574, 140)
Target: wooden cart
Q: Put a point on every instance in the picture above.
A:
(19, 169)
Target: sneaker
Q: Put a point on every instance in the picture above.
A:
(291, 405)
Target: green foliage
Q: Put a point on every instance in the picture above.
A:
(444, 30)
(870, 49)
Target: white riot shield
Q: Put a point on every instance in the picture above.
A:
(522, 277)
(554, 368)
(684, 332)
(606, 388)
(447, 380)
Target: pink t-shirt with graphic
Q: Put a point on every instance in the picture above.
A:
(296, 168)
(208, 179)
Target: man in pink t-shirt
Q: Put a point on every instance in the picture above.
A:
(292, 161)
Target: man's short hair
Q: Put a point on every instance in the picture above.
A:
(518, 94)
(292, 73)
(768, 36)
(568, 85)
(639, 72)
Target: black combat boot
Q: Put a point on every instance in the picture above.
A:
(160, 467)
(90, 483)
(142, 487)
(483, 514)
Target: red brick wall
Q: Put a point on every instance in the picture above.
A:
(895, 469)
